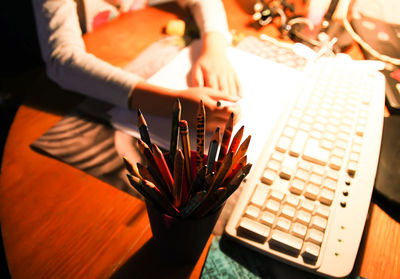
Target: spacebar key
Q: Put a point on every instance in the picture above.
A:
(285, 242)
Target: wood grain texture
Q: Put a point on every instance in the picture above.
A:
(58, 222)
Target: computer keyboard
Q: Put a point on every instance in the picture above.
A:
(307, 197)
(273, 50)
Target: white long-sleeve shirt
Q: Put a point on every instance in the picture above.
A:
(71, 67)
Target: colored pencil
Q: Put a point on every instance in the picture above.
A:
(209, 202)
(226, 139)
(212, 150)
(132, 169)
(145, 173)
(162, 166)
(242, 150)
(236, 140)
(221, 173)
(200, 129)
(176, 117)
(184, 131)
(143, 129)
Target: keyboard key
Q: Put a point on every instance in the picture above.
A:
(303, 217)
(313, 153)
(283, 224)
(286, 242)
(283, 144)
(292, 200)
(299, 230)
(268, 218)
(288, 211)
(323, 211)
(310, 252)
(268, 177)
(298, 143)
(352, 168)
(311, 192)
(272, 206)
(252, 212)
(307, 205)
(326, 196)
(297, 186)
(319, 223)
(315, 236)
(260, 195)
(277, 195)
(253, 230)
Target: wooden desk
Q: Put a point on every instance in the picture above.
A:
(58, 222)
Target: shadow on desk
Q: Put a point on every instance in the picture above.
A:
(147, 263)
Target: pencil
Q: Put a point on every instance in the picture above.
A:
(143, 129)
(176, 117)
(199, 179)
(236, 140)
(212, 151)
(193, 204)
(236, 167)
(178, 172)
(221, 173)
(152, 194)
(132, 169)
(183, 125)
(153, 167)
(242, 150)
(162, 167)
(145, 173)
(200, 128)
(209, 202)
(225, 139)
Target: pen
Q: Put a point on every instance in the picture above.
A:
(176, 117)
(143, 129)
(162, 167)
(212, 151)
(200, 128)
(178, 172)
(186, 150)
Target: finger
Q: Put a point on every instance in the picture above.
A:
(224, 85)
(211, 81)
(238, 86)
(197, 76)
(232, 86)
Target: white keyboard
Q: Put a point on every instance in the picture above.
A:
(307, 197)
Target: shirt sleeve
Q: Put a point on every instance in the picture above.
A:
(66, 59)
(209, 15)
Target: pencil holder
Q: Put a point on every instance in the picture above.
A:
(180, 240)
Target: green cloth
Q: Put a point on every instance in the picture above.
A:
(229, 259)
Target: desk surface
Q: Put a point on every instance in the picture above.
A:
(60, 222)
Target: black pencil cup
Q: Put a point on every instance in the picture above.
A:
(180, 240)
